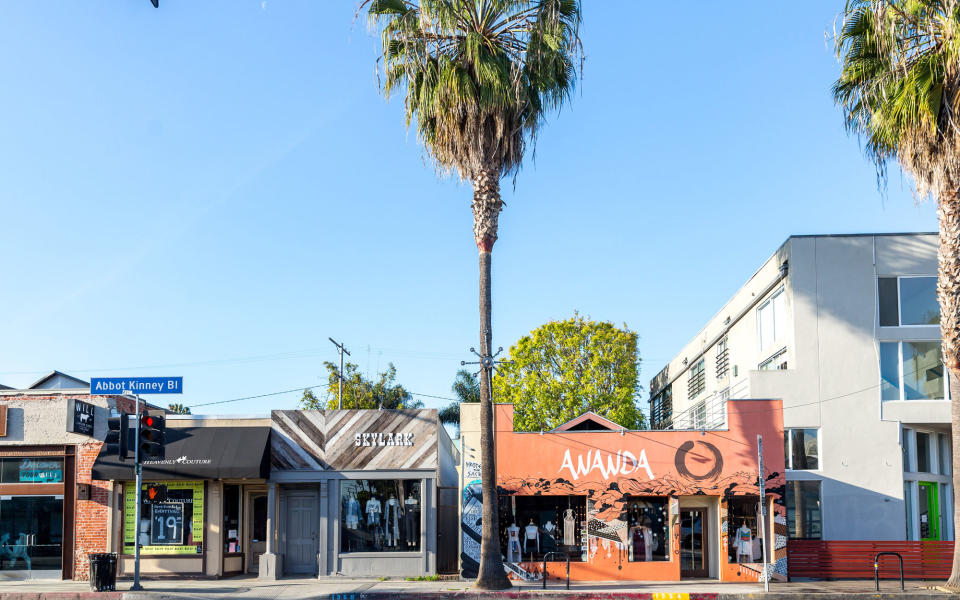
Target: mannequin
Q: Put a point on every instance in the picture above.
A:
(744, 542)
(549, 542)
(513, 543)
(531, 536)
(411, 520)
(373, 511)
(391, 520)
(352, 512)
(569, 528)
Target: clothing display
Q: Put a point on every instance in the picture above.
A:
(744, 542)
(569, 528)
(638, 544)
(391, 521)
(548, 541)
(531, 537)
(411, 520)
(352, 512)
(513, 543)
(373, 511)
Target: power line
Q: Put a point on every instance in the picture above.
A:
(302, 389)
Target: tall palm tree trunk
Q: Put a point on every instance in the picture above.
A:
(948, 294)
(486, 210)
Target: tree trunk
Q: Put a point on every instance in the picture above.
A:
(486, 209)
(948, 294)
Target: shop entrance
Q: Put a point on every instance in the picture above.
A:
(929, 512)
(256, 529)
(31, 534)
(301, 533)
(694, 540)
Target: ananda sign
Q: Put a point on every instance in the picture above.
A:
(623, 462)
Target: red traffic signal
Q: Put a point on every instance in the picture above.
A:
(152, 432)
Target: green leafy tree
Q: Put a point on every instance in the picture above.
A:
(360, 392)
(566, 368)
(178, 409)
(479, 78)
(899, 90)
(467, 389)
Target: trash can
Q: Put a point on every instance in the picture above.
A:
(103, 571)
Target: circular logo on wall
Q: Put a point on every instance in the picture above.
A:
(713, 461)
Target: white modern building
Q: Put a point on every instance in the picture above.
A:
(844, 329)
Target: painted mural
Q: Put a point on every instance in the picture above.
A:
(647, 494)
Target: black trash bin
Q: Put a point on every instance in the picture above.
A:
(103, 571)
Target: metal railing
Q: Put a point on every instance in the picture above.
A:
(547, 555)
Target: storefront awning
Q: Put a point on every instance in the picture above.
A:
(199, 453)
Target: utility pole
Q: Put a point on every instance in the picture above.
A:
(136, 587)
(342, 350)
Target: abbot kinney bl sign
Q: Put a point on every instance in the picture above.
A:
(136, 385)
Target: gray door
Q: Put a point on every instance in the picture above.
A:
(301, 525)
(448, 530)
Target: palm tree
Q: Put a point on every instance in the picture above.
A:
(467, 389)
(178, 409)
(899, 89)
(479, 77)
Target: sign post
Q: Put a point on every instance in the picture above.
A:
(763, 515)
(136, 386)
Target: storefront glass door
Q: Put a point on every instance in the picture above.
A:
(31, 533)
(693, 543)
(929, 511)
(257, 528)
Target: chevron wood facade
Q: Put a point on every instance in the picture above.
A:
(354, 439)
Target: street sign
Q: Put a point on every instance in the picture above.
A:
(136, 385)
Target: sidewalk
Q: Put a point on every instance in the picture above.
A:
(339, 588)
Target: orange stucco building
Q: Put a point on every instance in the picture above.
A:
(641, 505)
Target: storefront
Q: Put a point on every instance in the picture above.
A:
(207, 516)
(634, 505)
(360, 493)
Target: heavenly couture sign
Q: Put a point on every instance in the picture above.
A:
(383, 439)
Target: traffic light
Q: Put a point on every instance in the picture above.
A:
(156, 492)
(117, 440)
(152, 433)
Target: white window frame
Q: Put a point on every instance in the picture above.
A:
(900, 343)
(777, 334)
(899, 296)
(781, 352)
(908, 437)
(788, 459)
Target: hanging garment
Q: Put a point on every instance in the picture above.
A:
(391, 521)
(639, 544)
(745, 541)
(373, 511)
(648, 543)
(352, 512)
(411, 521)
(569, 528)
(513, 543)
(531, 537)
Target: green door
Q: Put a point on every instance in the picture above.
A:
(929, 512)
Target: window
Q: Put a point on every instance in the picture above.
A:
(777, 362)
(32, 528)
(804, 518)
(743, 511)
(696, 381)
(231, 518)
(171, 527)
(912, 371)
(923, 452)
(38, 469)
(723, 359)
(532, 526)
(945, 455)
(908, 301)
(699, 415)
(908, 504)
(771, 319)
(801, 449)
(661, 409)
(647, 536)
(380, 515)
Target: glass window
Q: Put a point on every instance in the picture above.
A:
(887, 295)
(803, 510)
(647, 538)
(922, 371)
(723, 358)
(770, 320)
(37, 469)
(31, 533)
(908, 503)
(777, 362)
(259, 533)
(696, 381)
(532, 526)
(380, 515)
(946, 458)
(801, 449)
(905, 450)
(890, 370)
(661, 409)
(946, 506)
(231, 518)
(918, 301)
(700, 415)
(923, 452)
(743, 529)
(174, 526)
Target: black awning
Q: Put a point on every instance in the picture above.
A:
(198, 453)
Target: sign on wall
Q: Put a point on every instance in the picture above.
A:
(188, 496)
(80, 417)
(167, 523)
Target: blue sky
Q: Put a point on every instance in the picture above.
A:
(213, 188)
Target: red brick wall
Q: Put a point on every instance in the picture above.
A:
(91, 515)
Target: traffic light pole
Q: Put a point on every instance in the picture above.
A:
(136, 587)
